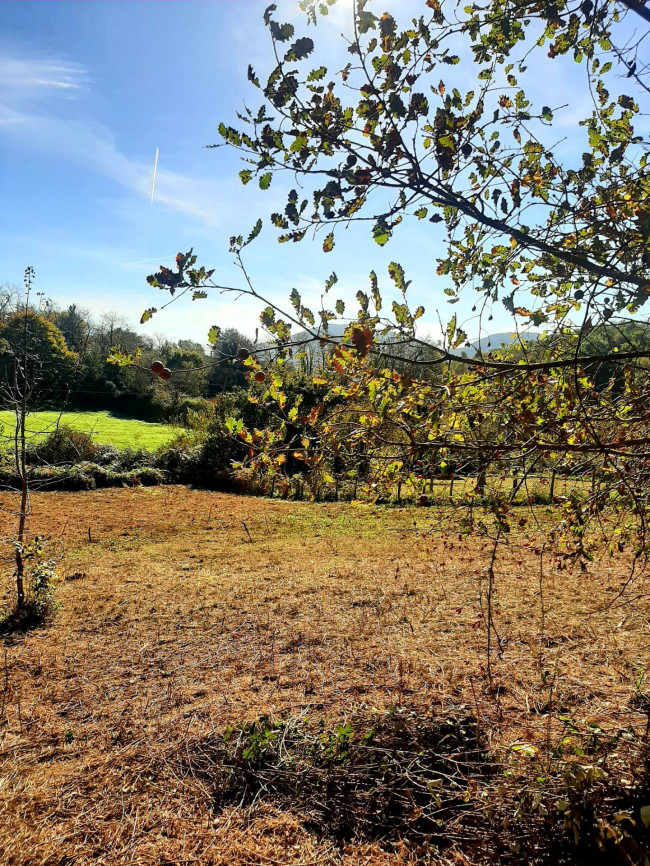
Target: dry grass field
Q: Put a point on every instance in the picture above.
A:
(187, 614)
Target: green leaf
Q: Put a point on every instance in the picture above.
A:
(300, 49)
(317, 74)
(299, 143)
(374, 291)
(328, 243)
(252, 77)
(281, 32)
(265, 180)
(539, 318)
(364, 300)
(401, 313)
(451, 329)
(213, 334)
(257, 228)
(461, 337)
(147, 315)
(381, 233)
(366, 21)
(121, 358)
(396, 272)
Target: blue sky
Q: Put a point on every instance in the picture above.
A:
(88, 90)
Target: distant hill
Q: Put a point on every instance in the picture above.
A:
(482, 346)
(335, 331)
(496, 341)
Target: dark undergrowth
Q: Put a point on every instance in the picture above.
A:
(407, 778)
(31, 615)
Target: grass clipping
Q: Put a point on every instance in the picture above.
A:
(125, 724)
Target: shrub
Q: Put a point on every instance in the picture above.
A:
(85, 476)
(219, 450)
(187, 411)
(207, 464)
(132, 458)
(145, 475)
(241, 481)
(180, 461)
(63, 445)
(105, 455)
(77, 477)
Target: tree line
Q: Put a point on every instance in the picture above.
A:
(73, 348)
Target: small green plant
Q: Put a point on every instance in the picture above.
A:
(41, 576)
(39, 581)
(261, 737)
(337, 744)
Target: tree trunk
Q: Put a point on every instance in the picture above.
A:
(482, 476)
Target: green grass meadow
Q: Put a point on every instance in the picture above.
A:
(106, 428)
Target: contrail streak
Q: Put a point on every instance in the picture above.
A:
(153, 187)
(144, 261)
(153, 177)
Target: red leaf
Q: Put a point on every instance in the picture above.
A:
(361, 339)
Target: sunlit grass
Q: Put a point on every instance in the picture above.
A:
(106, 428)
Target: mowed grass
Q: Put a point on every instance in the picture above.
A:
(184, 613)
(106, 428)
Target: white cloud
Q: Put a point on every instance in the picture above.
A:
(24, 79)
(23, 84)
